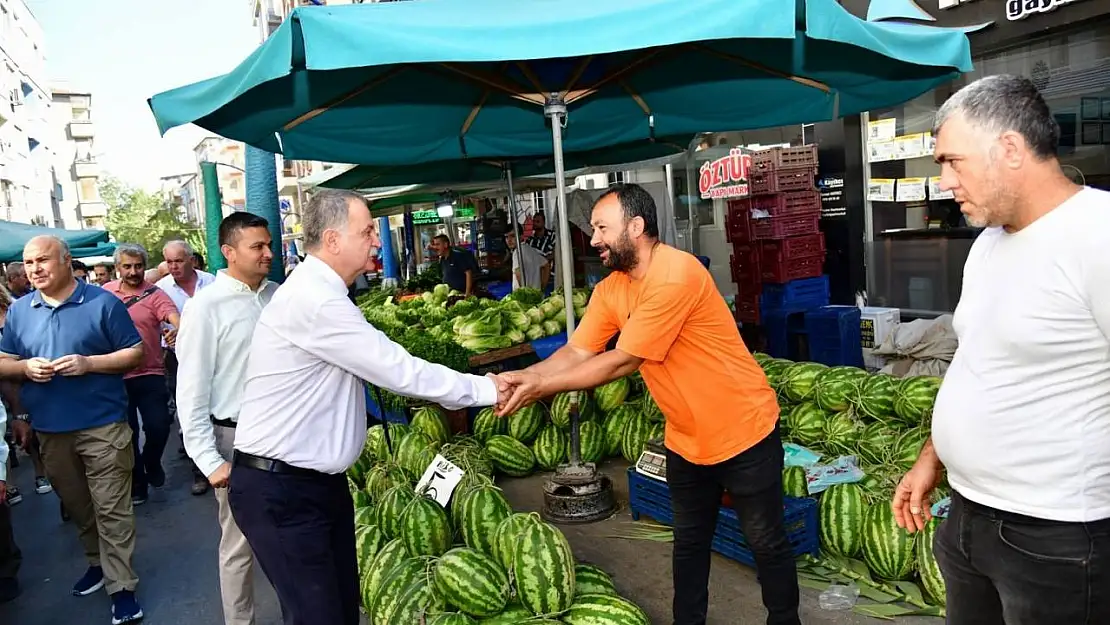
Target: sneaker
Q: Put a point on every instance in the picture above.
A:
(138, 500)
(14, 496)
(125, 609)
(90, 582)
(42, 485)
(156, 478)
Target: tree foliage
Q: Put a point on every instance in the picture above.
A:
(137, 216)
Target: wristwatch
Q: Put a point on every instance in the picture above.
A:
(26, 418)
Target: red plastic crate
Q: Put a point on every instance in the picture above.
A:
(779, 180)
(745, 267)
(788, 203)
(777, 270)
(738, 228)
(747, 308)
(785, 158)
(793, 247)
(786, 226)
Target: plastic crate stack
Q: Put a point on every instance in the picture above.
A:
(775, 233)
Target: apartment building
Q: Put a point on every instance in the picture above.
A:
(230, 155)
(75, 159)
(29, 189)
(181, 194)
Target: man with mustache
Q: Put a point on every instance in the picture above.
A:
(147, 394)
(722, 415)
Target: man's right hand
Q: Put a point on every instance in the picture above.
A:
(38, 369)
(912, 505)
(22, 434)
(219, 477)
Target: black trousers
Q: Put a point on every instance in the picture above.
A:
(754, 481)
(10, 556)
(1002, 568)
(302, 531)
(147, 395)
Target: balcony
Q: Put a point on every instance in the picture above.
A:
(86, 169)
(92, 210)
(81, 130)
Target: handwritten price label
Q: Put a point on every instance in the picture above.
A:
(440, 480)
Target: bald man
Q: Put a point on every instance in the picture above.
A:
(70, 343)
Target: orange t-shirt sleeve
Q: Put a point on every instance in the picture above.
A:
(597, 326)
(655, 324)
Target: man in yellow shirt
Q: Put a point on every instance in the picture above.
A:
(722, 415)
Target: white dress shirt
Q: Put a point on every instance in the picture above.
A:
(213, 345)
(178, 294)
(304, 401)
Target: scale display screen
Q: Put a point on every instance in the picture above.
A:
(653, 461)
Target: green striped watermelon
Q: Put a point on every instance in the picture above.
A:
(876, 442)
(384, 477)
(908, 447)
(390, 508)
(888, 550)
(375, 443)
(590, 580)
(390, 555)
(431, 421)
(914, 398)
(560, 408)
(468, 483)
(506, 536)
(450, 618)
(774, 369)
(352, 486)
(543, 568)
(472, 582)
(487, 423)
(840, 512)
(483, 509)
(361, 499)
(614, 426)
(842, 432)
(650, 409)
(636, 386)
(368, 542)
(657, 432)
(794, 483)
(364, 515)
(601, 609)
(876, 397)
(835, 387)
(636, 433)
(799, 380)
(525, 424)
(761, 358)
(807, 423)
(591, 442)
(927, 567)
(357, 472)
(393, 585)
(513, 615)
(397, 432)
(550, 447)
(425, 528)
(510, 456)
(612, 394)
(416, 601)
(414, 453)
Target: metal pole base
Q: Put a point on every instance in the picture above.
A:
(578, 494)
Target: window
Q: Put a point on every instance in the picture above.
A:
(86, 190)
(617, 177)
(539, 201)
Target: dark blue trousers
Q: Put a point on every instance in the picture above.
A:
(147, 396)
(302, 531)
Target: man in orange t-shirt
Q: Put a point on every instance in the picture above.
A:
(722, 415)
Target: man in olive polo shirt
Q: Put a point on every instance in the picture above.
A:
(70, 343)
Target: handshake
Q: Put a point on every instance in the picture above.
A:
(517, 389)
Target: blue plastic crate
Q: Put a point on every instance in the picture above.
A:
(834, 335)
(781, 325)
(375, 411)
(499, 290)
(652, 498)
(805, 293)
(548, 345)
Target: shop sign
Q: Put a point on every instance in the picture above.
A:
(1015, 9)
(425, 218)
(726, 177)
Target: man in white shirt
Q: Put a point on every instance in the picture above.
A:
(530, 267)
(303, 418)
(213, 344)
(181, 283)
(1022, 420)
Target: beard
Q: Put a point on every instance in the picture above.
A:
(622, 256)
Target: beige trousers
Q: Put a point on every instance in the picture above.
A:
(236, 557)
(91, 472)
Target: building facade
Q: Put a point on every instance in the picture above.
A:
(232, 179)
(75, 164)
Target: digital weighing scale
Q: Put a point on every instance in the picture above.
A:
(653, 461)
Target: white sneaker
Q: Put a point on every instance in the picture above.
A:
(42, 485)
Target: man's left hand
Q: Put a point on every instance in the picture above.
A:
(528, 388)
(71, 365)
(170, 336)
(3, 492)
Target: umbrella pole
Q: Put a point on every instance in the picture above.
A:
(512, 223)
(556, 109)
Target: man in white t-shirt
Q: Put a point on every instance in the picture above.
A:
(530, 267)
(1022, 420)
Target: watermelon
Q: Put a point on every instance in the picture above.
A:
(876, 442)
(513, 615)
(390, 555)
(543, 568)
(390, 508)
(636, 433)
(840, 512)
(525, 424)
(908, 447)
(472, 582)
(414, 453)
(356, 474)
(425, 528)
(888, 550)
(604, 609)
(364, 516)
(657, 431)
(450, 618)
(650, 409)
(876, 397)
(361, 499)
(416, 600)
(761, 358)
(394, 584)
(368, 541)
(510, 456)
(506, 536)
(550, 447)
(560, 408)
(836, 387)
(927, 568)
(384, 477)
(397, 432)
(799, 380)
(611, 395)
(468, 483)
(842, 432)
(483, 509)
(794, 482)
(591, 442)
(375, 443)
(590, 580)
(614, 426)
(807, 423)
(774, 370)
(487, 423)
(432, 422)
(914, 398)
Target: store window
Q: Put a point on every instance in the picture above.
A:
(918, 240)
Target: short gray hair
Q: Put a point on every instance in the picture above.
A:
(1004, 103)
(179, 243)
(130, 249)
(63, 247)
(327, 210)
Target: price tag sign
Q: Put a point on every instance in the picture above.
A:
(439, 480)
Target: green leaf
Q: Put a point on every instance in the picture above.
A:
(813, 583)
(929, 611)
(859, 568)
(875, 594)
(808, 575)
(883, 611)
(911, 591)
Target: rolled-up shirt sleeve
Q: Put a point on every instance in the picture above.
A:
(342, 337)
(196, 356)
(3, 444)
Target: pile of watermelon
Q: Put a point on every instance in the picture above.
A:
(883, 421)
(477, 561)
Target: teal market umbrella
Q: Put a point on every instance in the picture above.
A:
(14, 236)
